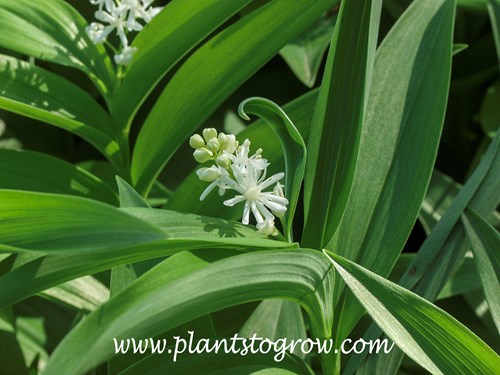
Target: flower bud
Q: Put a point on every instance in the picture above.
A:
(208, 174)
(223, 161)
(213, 145)
(202, 155)
(209, 133)
(228, 143)
(196, 141)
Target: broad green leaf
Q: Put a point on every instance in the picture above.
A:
(52, 30)
(305, 53)
(33, 92)
(193, 291)
(33, 171)
(336, 125)
(274, 320)
(294, 150)
(405, 114)
(220, 364)
(166, 39)
(300, 112)
(485, 243)
(220, 66)
(494, 12)
(84, 294)
(23, 275)
(427, 334)
(63, 224)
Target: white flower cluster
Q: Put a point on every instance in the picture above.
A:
(235, 170)
(122, 16)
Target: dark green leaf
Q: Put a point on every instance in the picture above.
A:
(336, 126)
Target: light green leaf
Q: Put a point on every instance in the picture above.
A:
(427, 334)
(194, 289)
(405, 114)
(33, 171)
(31, 91)
(51, 223)
(54, 31)
(84, 294)
(167, 38)
(485, 243)
(128, 196)
(25, 274)
(220, 66)
(294, 150)
(305, 53)
(274, 320)
(336, 126)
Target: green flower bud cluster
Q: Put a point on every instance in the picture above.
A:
(213, 146)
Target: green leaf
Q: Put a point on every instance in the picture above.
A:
(427, 334)
(11, 355)
(336, 126)
(440, 194)
(31, 91)
(274, 320)
(54, 31)
(485, 243)
(443, 250)
(194, 289)
(405, 114)
(84, 294)
(25, 274)
(220, 66)
(294, 150)
(51, 223)
(221, 364)
(494, 12)
(300, 112)
(128, 196)
(33, 171)
(305, 53)
(167, 38)
(489, 116)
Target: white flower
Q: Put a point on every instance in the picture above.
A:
(235, 170)
(241, 160)
(122, 16)
(116, 18)
(250, 185)
(125, 56)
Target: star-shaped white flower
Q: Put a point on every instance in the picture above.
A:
(251, 186)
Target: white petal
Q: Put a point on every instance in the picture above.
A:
(231, 202)
(208, 190)
(246, 213)
(267, 214)
(271, 180)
